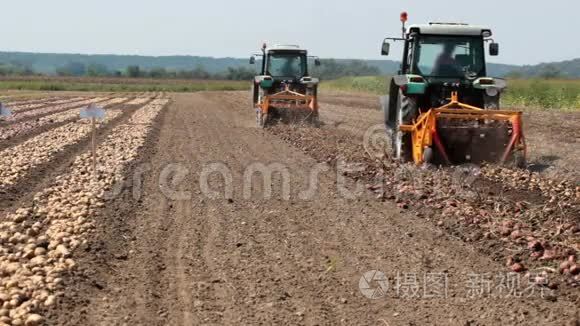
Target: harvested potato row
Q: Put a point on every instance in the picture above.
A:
(564, 191)
(17, 161)
(24, 107)
(14, 128)
(116, 100)
(36, 242)
(139, 101)
(25, 111)
(17, 116)
(68, 100)
(31, 101)
(546, 229)
(21, 128)
(15, 108)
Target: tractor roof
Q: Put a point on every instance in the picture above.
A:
(289, 48)
(450, 29)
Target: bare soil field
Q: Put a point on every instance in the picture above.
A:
(197, 217)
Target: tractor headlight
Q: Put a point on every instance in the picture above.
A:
(491, 91)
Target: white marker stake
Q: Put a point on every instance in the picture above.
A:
(4, 111)
(93, 112)
(94, 146)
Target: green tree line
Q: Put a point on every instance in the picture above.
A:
(330, 69)
(135, 71)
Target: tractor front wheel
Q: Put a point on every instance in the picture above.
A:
(407, 110)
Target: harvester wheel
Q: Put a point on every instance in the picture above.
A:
(407, 110)
(491, 102)
(518, 160)
(428, 155)
(261, 119)
(313, 119)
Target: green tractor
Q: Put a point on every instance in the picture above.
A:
(284, 89)
(443, 107)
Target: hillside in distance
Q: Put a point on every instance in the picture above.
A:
(565, 69)
(49, 63)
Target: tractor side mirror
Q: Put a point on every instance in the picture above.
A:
(252, 60)
(317, 62)
(494, 49)
(385, 48)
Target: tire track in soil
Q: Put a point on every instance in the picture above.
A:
(221, 218)
(267, 261)
(274, 231)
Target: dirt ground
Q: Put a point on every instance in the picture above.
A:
(196, 238)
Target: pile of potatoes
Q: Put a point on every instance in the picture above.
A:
(37, 242)
(15, 162)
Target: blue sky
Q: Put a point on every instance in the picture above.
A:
(529, 31)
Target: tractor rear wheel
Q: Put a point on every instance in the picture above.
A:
(407, 110)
